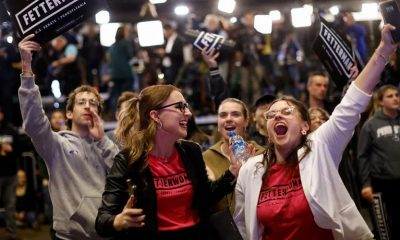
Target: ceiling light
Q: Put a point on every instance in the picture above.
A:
(301, 17)
(226, 6)
(263, 24)
(275, 15)
(102, 17)
(181, 10)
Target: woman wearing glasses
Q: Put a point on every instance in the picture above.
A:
(294, 191)
(173, 194)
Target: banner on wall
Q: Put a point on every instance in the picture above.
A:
(50, 18)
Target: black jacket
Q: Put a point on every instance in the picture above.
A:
(8, 161)
(115, 196)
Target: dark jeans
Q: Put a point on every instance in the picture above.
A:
(8, 186)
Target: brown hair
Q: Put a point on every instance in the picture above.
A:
(245, 110)
(320, 110)
(125, 96)
(292, 160)
(137, 131)
(381, 91)
(71, 100)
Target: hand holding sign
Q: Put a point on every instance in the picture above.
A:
(336, 54)
(209, 41)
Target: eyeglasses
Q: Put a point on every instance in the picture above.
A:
(92, 102)
(286, 111)
(179, 105)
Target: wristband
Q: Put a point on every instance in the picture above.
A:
(27, 74)
(382, 57)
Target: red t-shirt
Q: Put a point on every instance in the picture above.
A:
(174, 192)
(283, 208)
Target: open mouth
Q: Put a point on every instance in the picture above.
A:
(280, 129)
(230, 128)
(183, 123)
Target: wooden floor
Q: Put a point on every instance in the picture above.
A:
(42, 233)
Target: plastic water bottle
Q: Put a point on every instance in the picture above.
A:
(239, 146)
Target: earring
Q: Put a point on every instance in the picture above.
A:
(159, 124)
(303, 132)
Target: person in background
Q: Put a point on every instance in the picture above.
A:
(121, 52)
(196, 134)
(215, 24)
(121, 106)
(233, 115)
(58, 120)
(77, 159)
(8, 172)
(379, 155)
(93, 53)
(317, 87)
(168, 173)
(64, 65)
(171, 54)
(357, 33)
(294, 191)
(8, 58)
(348, 165)
(318, 116)
(26, 202)
(258, 132)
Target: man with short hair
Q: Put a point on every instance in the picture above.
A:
(317, 86)
(77, 160)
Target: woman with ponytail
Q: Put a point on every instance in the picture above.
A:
(172, 194)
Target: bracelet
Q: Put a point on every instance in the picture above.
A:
(27, 74)
(381, 56)
(214, 71)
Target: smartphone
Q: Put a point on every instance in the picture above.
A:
(391, 14)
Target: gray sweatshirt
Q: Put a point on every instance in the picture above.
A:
(77, 167)
(379, 149)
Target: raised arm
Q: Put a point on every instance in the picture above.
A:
(217, 86)
(370, 75)
(26, 47)
(35, 122)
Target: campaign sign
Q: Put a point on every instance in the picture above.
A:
(335, 53)
(209, 41)
(380, 217)
(50, 18)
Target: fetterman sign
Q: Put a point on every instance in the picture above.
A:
(335, 53)
(50, 18)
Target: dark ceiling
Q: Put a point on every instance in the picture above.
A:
(128, 10)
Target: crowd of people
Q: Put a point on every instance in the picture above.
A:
(314, 165)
